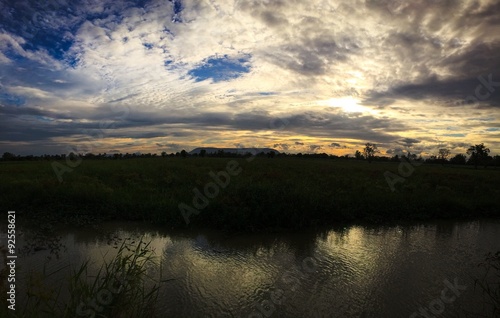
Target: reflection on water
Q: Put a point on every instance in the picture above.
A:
(351, 271)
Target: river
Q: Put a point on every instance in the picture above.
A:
(410, 270)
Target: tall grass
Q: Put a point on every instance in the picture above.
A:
(489, 285)
(121, 287)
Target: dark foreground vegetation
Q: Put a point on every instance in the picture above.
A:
(261, 193)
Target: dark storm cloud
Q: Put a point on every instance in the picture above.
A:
(53, 79)
(31, 132)
(20, 111)
(394, 151)
(465, 62)
(408, 142)
(314, 123)
(151, 125)
(479, 58)
(312, 55)
(483, 91)
(336, 146)
(455, 145)
(273, 19)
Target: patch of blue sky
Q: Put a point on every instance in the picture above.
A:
(167, 31)
(11, 100)
(178, 7)
(73, 61)
(220, 69)
(454, 135)
(53, 41)
(97, 16)
(493, 129)
(267, 93)
(12, 54)
(173, 65)
(44, 119)
(483, 118)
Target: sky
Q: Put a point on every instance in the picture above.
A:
(316, 76)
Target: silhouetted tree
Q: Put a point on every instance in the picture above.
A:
(8, 156)
(73, 156)
(496, 160)
(431, 159)
(443, 154)
(358, 155)
(478, 154)
(183, 153)
(459, 159)
(203, 152)
(369, 151)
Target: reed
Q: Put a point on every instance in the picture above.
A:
(121, 287)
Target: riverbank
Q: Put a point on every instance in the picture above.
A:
(247, 195)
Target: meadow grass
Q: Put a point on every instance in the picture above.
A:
(267, 194)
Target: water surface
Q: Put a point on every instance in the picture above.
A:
(354, 271)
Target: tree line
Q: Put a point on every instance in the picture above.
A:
(476, 155)
(479, 155)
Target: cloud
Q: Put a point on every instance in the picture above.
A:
(408, 142)
(250, 72)
(337, 146)
(282, 146)
(315, 147)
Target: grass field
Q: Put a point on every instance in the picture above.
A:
(261, 194)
